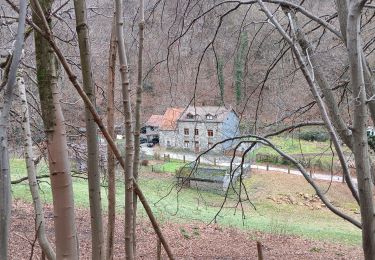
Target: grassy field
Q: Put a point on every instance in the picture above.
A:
(188, 205)
(312, 154)
(168, 167)
(296, 146)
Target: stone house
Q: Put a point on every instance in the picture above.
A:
(151, 128)
(199, 128)
(167, 131)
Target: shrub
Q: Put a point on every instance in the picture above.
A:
(314, 135)
(144, 162)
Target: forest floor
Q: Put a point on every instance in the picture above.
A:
(188, 240)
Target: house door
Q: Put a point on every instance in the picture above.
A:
(196, 147)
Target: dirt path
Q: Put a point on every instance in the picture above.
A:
(188, 241)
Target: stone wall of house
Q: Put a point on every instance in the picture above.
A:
(200, 141)
(167, 138)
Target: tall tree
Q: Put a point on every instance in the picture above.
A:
(111, 173)
(129, 149)
(360, 146)
(97, 236)
(5, 195)
(239, 66)
(40, 227)
(137, 128)
(54, 127)
(220, 78)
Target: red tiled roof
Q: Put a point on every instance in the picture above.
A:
(155, 120)
(170, 118)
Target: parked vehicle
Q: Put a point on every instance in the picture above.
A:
(155, 141)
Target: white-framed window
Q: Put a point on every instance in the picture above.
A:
(186, 144)
(186, 131)
(196, 131)
(210, 133)
(209, 117)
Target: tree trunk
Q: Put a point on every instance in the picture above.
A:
(360, 146)
(97, 237)
(58, 160)
(111, 158)
(5, 183)
(129, 149)
(137, 129)
(31, 174)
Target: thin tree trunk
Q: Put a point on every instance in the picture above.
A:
(97, 237)
(5, 178)
(360, 147)
(137, 129)
(129, 149)
(111, 158)
(31, 174)
(54, 126)
(342, 11)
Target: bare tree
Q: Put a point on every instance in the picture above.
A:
(40, 226)
(91, 132)
(129, 149)
(360, 145)
(111, 173)
(53, 119)
(137, 128)
(5, 178)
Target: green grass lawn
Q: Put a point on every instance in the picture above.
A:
(295, 146)
(312, 154)
(188, 205)
(169, 167)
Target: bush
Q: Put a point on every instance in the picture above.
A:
(144, 162)
(314, 135)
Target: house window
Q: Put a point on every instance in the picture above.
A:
(196, 131)
(210, 133)
(186, 131)
(209, 145)
(186, 144)
(190, 116)
(209, 117)
(168, 143)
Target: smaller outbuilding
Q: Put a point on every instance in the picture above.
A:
(208, 177)
(152, 127)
